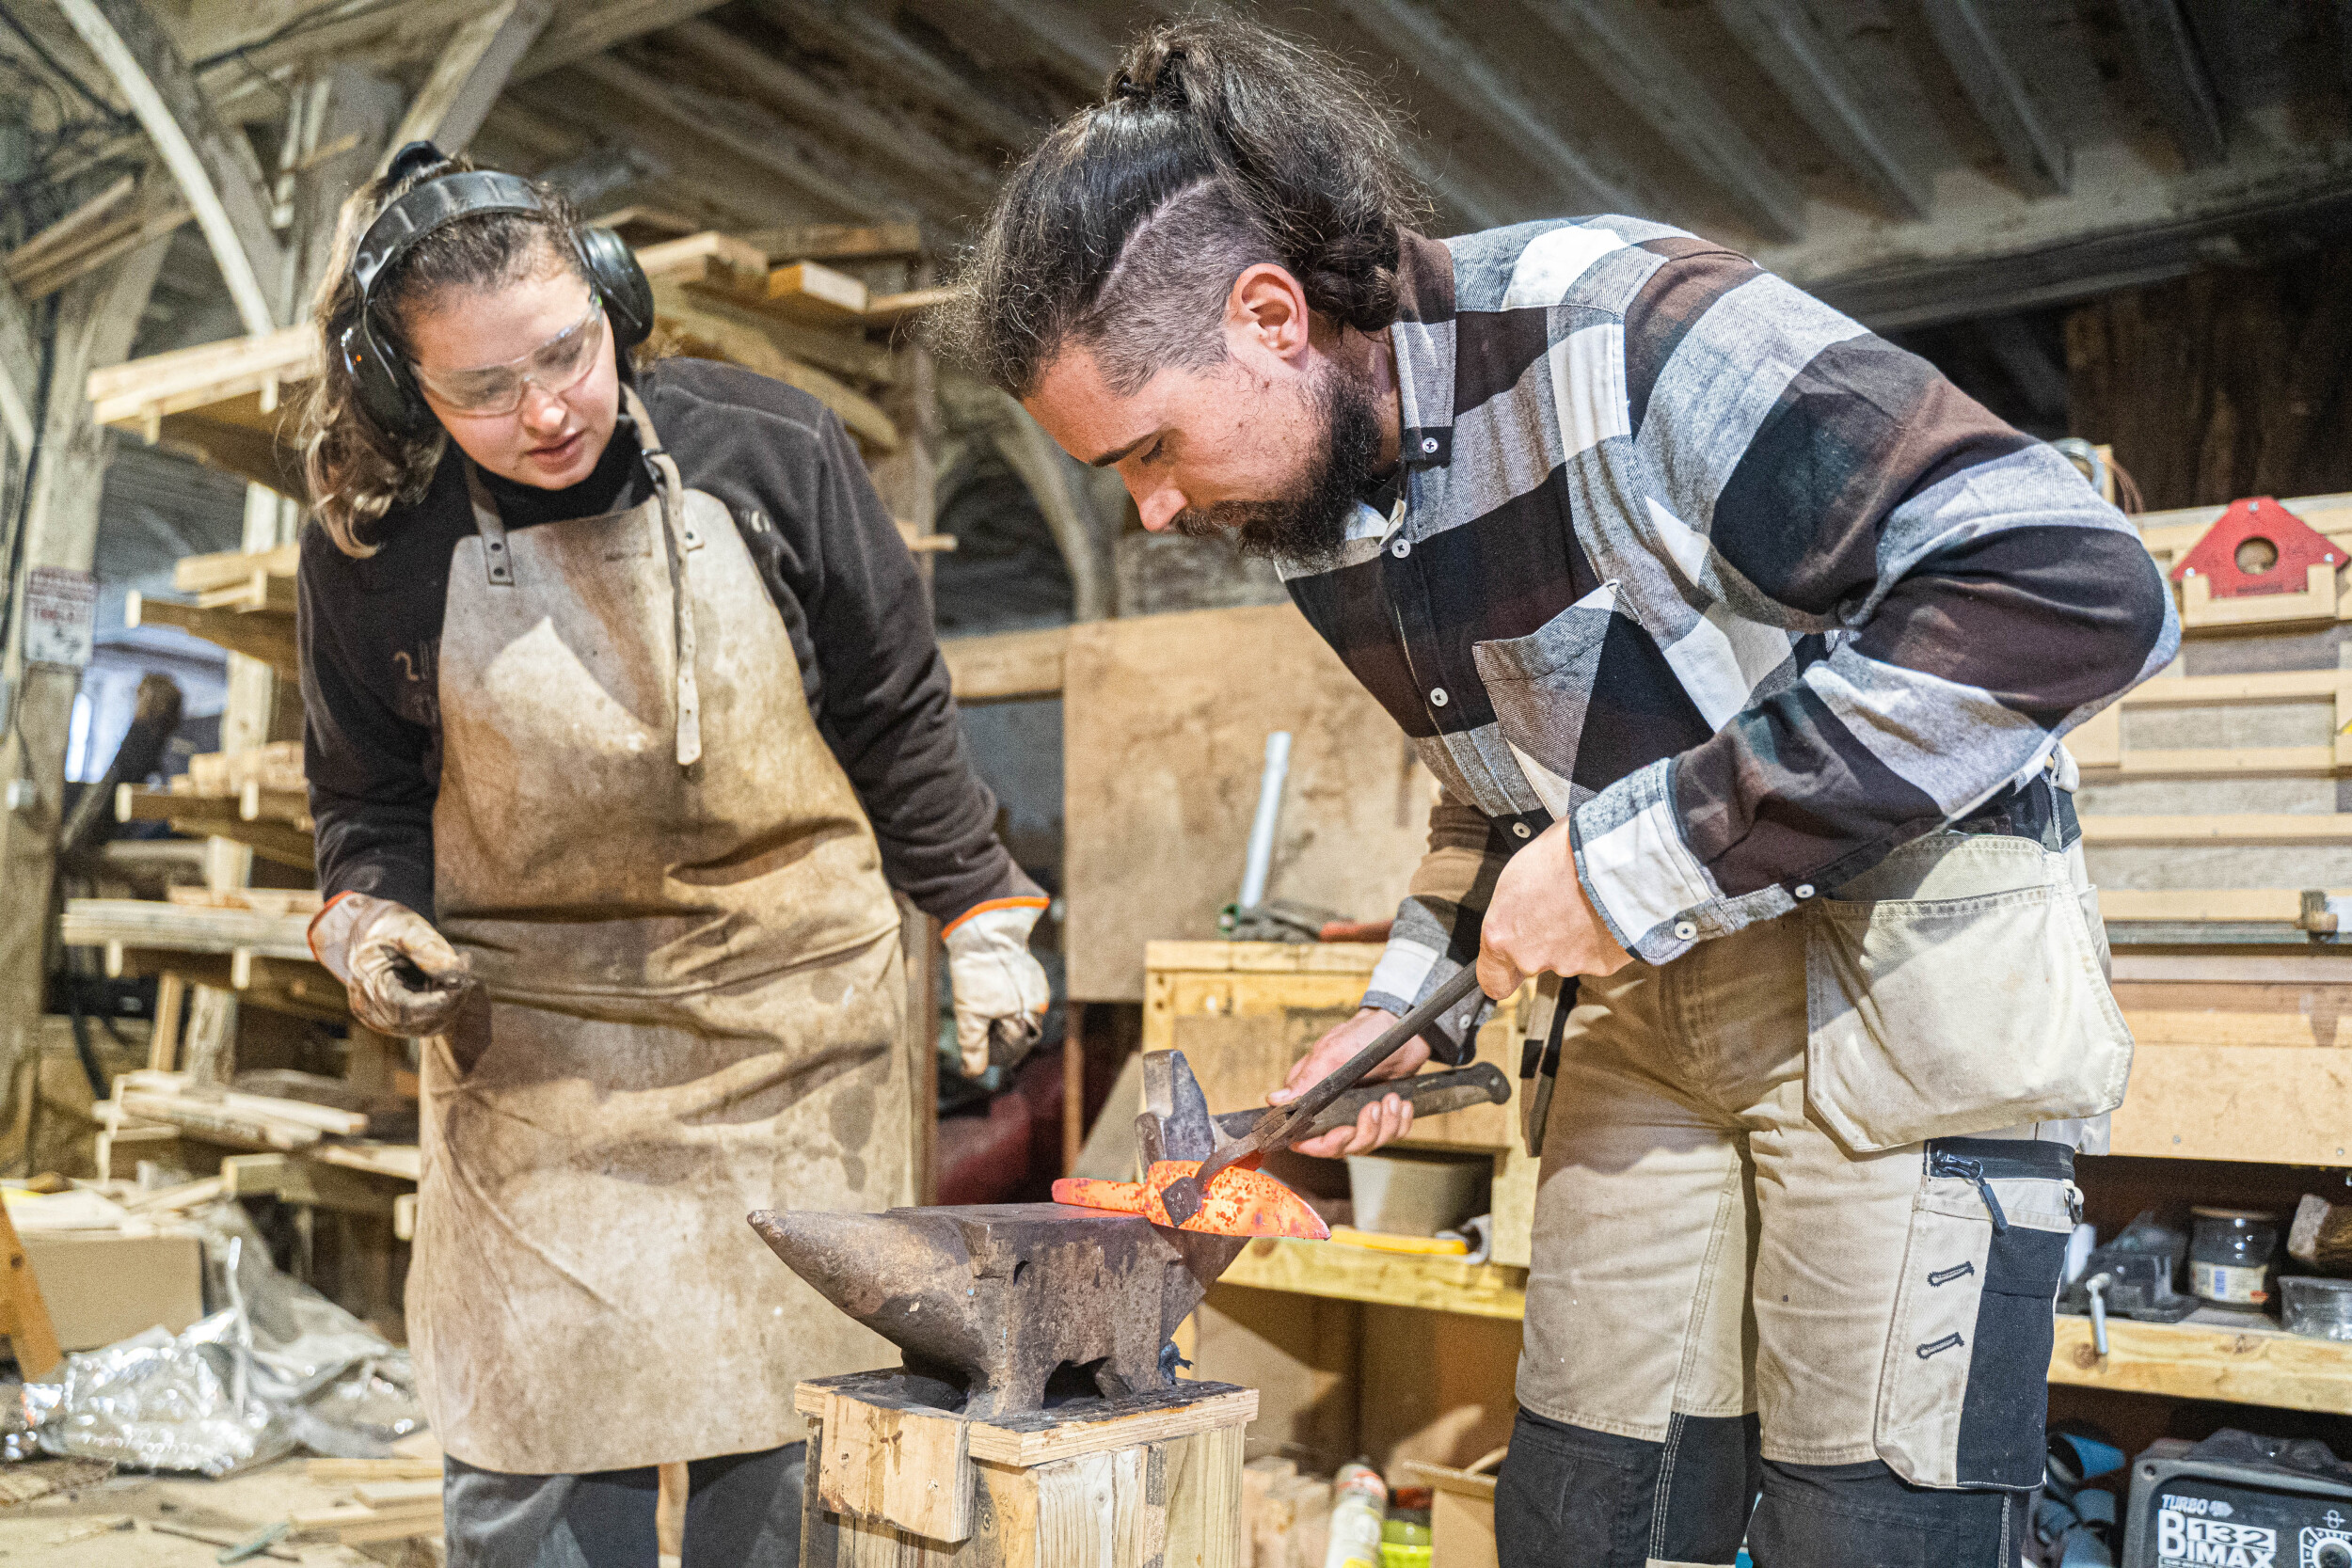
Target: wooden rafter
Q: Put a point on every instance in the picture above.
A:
(20, 389)
(1453, 65)
(1615, 39)
(922, 159)
(2175, 73)
(1791, 48)
(472, 71)
(1972, 46)
(218, 183)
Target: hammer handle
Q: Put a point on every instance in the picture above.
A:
(1431, 1094)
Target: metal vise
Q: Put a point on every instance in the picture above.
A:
(995, 1299)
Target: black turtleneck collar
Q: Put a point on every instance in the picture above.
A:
(619, 480)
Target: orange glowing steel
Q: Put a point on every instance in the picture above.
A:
(1239, 1202)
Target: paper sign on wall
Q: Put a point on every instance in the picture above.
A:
(60, 615)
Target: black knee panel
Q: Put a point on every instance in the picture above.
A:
(1865, 1516)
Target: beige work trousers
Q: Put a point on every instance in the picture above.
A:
(1705, 1246)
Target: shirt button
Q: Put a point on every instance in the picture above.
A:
(1437, 697)
(1685, 930)
(1804, 890)
(1518, 829)
(1402, 549)
(1429, 443)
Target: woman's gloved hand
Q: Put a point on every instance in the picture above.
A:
(1001, 991)
(403, 976)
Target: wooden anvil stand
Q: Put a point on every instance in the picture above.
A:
(1147, 1481)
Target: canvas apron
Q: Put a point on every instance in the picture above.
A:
(692, 991)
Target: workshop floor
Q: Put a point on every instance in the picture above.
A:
(109, 1521)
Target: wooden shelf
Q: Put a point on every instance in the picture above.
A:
(1387, 1278)
(2207, 1359)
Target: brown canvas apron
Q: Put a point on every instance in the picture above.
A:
(690, 993)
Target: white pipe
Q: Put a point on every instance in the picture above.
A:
(1278, 769)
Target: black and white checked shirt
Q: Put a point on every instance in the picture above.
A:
(1750, 594)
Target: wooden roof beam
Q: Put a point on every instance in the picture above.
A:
(593, 28)
(1458, 67)
(472, 71)
(19, 372)
(219, 185)
(2031, 147)
(870, 43)
(1617, 42)
(1788, 46)
(795, 165)
(2175, 73)
(918, 156)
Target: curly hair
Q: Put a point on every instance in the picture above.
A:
(1218, 143)
(355, 471)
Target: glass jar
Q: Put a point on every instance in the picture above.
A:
(2229, 1256)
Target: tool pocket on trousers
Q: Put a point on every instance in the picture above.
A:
(1970, 994)
(1964, 1388)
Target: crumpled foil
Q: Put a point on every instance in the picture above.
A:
(280, 1365)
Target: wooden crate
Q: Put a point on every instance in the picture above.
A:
(1123, 1483)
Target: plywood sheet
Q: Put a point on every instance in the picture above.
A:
(2262, 1102)
(1165, 720)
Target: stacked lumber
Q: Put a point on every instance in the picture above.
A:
(251, 940)
(243, 600)
(379, 1510)
(392, 1499)
(214, 1114)
(257, 797)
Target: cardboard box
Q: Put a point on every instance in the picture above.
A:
(102, 1286)
(1461, 1513)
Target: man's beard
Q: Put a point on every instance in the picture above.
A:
(1306, 527)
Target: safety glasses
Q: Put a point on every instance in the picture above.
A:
(555, 366)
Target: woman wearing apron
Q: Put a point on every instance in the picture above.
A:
(623, 714)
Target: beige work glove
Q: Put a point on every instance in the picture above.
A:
(1001, 991)
(403, 975)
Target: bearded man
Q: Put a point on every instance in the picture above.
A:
(1741, 643)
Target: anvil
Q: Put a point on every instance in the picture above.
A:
(995, 1299)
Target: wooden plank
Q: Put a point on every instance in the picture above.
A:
(721, 260)
(2258, 829)
(291, 1178)
(1011, 666)
(1358, 1273)
(24, 1315)
(1060, 1439)
(2272, 1104)
(902, 1466)
(261, 635)
(327, 1119)
(838, 242)
(1266, 958)
(1164, 722)
(714, 329)
(890, 309)
(151, 923)
(2173, 905)
(213, 165)
(2321, 967)
(812, 292)
(401, 1162)
(2202, 1361)
(206, 574)
(2226, 762)
(469, 75)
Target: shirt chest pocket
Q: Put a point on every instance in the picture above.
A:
(1568, 699)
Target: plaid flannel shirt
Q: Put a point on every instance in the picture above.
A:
(1748, 594)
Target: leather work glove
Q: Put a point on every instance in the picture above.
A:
(403, 976)
(1001, 991)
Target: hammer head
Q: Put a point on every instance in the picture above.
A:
(997, 1299)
